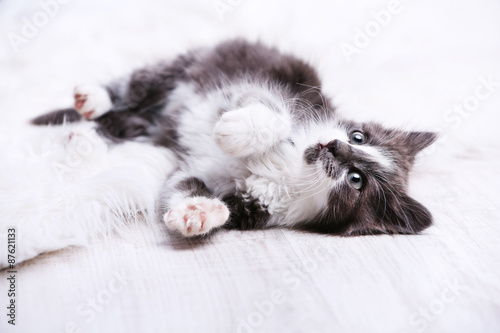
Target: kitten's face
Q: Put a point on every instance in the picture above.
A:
(369, 166)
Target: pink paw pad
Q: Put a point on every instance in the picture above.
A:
(80, 101)
(91, 101)
(197, 218)
(195, 213)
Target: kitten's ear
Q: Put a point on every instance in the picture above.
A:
(403, 215)
(417, 141)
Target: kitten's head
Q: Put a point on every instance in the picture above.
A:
(369, 166)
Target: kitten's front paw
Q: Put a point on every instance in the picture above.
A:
(250, 130)
(197, 216)
(91, 101)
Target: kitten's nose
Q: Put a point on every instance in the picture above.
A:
(333, 146)
(337, 148)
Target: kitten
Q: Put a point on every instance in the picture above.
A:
(259, 145)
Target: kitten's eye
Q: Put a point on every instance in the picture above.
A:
(355, 180)
(358, 138)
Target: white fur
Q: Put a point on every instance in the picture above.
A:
(377, 155)
(196, 131)
(94, 98)
(250, 130)
(74, 189)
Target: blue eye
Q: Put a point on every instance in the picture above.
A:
(355, 180)
(358, 138)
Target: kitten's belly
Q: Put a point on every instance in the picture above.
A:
(195, 137)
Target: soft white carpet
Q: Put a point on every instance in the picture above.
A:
(428, 68)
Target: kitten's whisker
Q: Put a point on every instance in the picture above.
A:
(313, 191)
(311, 185)
(308, 182)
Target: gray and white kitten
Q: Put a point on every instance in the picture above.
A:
(259, 145)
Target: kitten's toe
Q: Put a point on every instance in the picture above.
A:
(91, 101)
(197, 216)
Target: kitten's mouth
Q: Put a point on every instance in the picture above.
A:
(320, 153)
(328, 160)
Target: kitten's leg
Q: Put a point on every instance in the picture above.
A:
(191, 208)
(91, 102)
(141, 90)
(58, 117)
(251, 130)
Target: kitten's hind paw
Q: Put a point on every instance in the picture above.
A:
(91, 101)
(197, 216)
